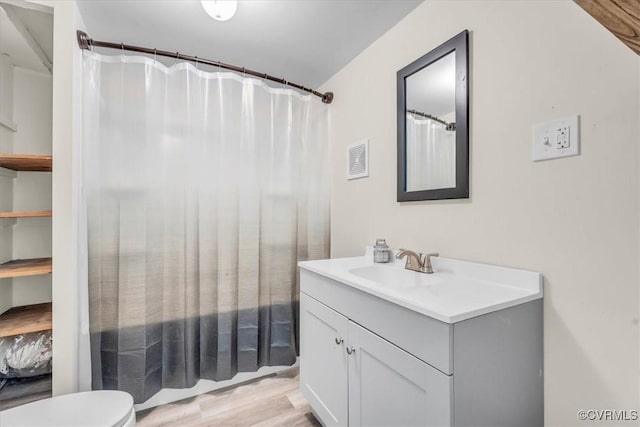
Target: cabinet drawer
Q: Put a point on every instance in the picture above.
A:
(427, 339)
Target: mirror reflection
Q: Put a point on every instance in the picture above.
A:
(431, 126)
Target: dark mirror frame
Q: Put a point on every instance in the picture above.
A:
(459, 44)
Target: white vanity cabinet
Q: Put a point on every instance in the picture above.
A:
(351, 376)
(388, 386)
(367, 361)
(324, 377)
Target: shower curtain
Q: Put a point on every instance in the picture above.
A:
(203, 190)
(431, 154)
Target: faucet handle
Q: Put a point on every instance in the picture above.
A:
(428, 268)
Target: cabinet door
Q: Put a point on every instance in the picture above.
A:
(323, 360)
(389, 387)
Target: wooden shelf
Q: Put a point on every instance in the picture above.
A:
(25, 267)
(25, 319)
(26, 162)
(622, 18)
(25, 214)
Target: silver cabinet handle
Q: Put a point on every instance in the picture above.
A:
(350, 350)
(339, 340)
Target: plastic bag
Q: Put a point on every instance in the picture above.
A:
(25, 355)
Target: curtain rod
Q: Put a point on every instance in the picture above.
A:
(449, 126)
(86, 43)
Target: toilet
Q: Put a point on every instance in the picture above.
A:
(103, 408)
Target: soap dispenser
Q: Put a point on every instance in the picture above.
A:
(381, 251)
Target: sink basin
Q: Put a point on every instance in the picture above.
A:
(394, 276)
(456, 291)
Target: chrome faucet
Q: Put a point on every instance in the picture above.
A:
(417, 262)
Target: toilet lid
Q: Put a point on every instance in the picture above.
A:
(87, 409)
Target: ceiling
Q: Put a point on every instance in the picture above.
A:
(303, 41)
(36, 22)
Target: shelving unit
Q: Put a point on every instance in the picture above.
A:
(25, 281)
(25, 267)
(26, 162)
(25, 214)
(26, 319)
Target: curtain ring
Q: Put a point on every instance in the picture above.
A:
(155, 55)
(122, 47)
(197, 64)
(175, 59)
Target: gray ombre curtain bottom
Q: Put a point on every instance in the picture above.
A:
(202, 192)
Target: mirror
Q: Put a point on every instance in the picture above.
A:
(433, 127)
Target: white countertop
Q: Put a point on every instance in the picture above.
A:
(456, 291)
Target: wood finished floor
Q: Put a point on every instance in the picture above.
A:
(271, 401)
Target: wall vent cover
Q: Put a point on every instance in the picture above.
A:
(358, 159)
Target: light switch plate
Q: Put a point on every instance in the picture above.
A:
(556, 138)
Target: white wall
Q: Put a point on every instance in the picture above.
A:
(576, 220)
(6, 178)
(32, 190)
(67, 116)
(6, 102)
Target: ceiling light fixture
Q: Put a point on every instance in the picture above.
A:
(221, 10)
